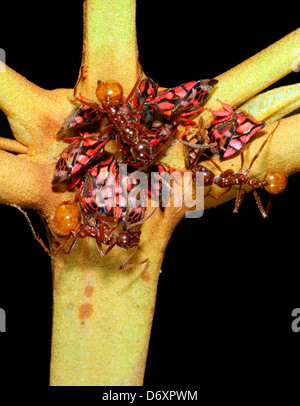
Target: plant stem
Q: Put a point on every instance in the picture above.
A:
(102, 316)
(110, 45)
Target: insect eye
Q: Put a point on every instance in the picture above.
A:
(109, 93)
(67, 217)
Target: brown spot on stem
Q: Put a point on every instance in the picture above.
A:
(89, 290)
(85, 311)
(145, 276)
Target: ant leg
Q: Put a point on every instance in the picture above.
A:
(90, 103)
(80, 76)
(238, 200)
(61, 246)
(36, 236)
(74, 242)
(105, 130)
(123, 267)
(268, 204)
(214, 163)
(119, 143)
(99, 243)
(259, 204)
(195, 146)
(134, 88)
(163, 148)
(110, 247)
(222, 194)
(105, 219)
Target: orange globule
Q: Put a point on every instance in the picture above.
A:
(276, 181)
(67, 217)
(109, 93)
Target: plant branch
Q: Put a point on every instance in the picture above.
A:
(7, 144)
(272, 105)
(30, 109)
(109, 31)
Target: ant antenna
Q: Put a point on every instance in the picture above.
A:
(36, 236)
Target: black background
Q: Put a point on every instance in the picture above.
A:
(229, 282)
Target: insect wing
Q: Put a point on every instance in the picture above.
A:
(182, 98)
(89, 151)
(158, 182)
(64, 164)
(103, 182)
(80, 116)
(147, 89)
(234, 132)
(77, 156)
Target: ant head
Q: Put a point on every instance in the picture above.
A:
(276, 181)
(67, 217)
(127, 239)
(110, 94)
(208, 175)
(142, 151)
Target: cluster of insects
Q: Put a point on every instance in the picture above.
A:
(109, 206)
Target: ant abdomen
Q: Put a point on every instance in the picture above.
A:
(67, 217)
(110, 94)
(276, 181)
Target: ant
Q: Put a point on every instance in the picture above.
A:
(123, 124)
(146, 145)
(274, 182)
(68, 221)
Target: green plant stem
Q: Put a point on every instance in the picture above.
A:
(102, 316)
(110, 46)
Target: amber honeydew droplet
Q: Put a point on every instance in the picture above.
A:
(67, 217)
(109, 93)
(276, 181)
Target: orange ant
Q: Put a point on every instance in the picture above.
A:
(67, 220)
(274, 182)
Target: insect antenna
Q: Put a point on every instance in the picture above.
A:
(134, 88)
(36, 236)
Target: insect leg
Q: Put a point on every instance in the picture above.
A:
(123, 267)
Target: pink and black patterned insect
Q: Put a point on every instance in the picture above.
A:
(159, 180)
(146, 91)
(98, 189)
(231, 130)
(82, 115)
(107, 190)
(181, 101)
(197, 145)
(103, 196)
(82, 152)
